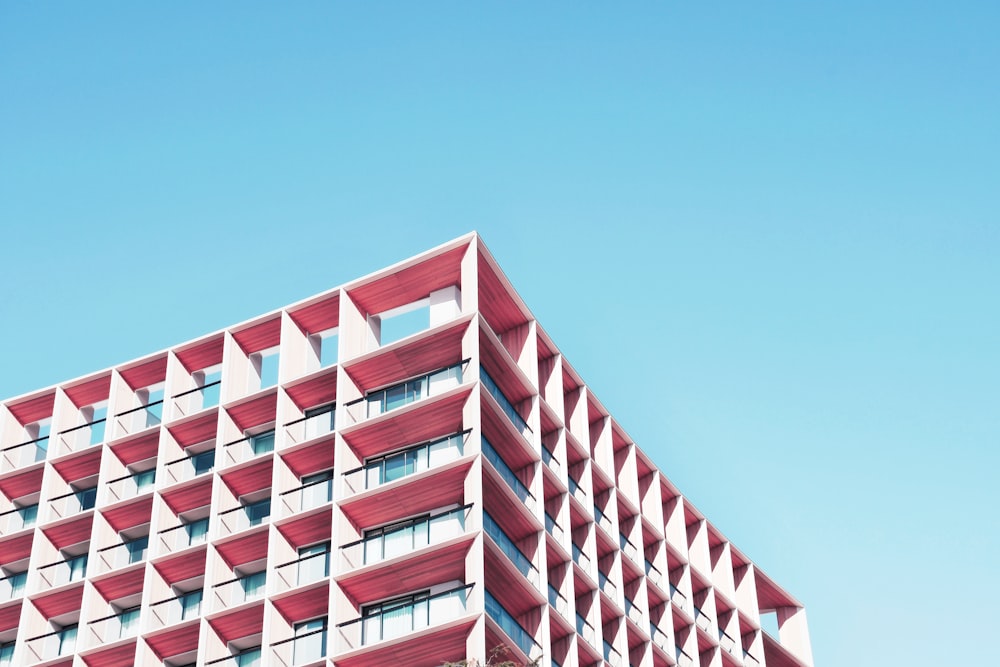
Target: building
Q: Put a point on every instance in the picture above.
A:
(400, 471)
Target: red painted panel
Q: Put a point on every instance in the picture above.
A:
(410, 284)
(319, 390)
(308, 530)
(192, 431)
(249, 479)
(10, 615)
(26, 483)
(770, 595)
(90, 391)
(118, 586)
(395, 578)
(419, 493)
(246, 549)
(175, 641)
(69, 532)
(312, 458)
(122, 655)
(189, 497)
(500, 432)
(137, 449)
(255, 411)
(130, 514)
(425, 420)
(495, 301)
(307, 604)
(318, 316)
(499, 500)
(776, 655)
(501, 369)
(429, 648)
(249, 621)
(187, 566)
(60, 603)
(18, 548)
(434, 351)
(261, 336)
(34, 408)
(202, 354)
(78, 466)
(146, 372)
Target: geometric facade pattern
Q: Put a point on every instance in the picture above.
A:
(403, 470)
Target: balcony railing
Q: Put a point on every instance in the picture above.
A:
(140, 418)
(581, 558)
(603, 520)
(551, 461)
(12, 586)
(18, 518)
(25, 454)
(585, 629)
(403, 393)
(749, 660)
(632, 612)
(405, 462)
(176, 609)
(611, 655)
(132, 485)
(628, 548)
(702, 620)
(82, 436)
(183, 535)
(678, 598)
(515, 555)
(305, 570)
(64, 571)
(515, 484)
(247, 516)
(557, 601)
(120, 555)
(407, 617)
(53, 644)
(189, 467)
(406, 537)
(248, 447)
(577, 492)
(301, 649)
(317, 422)
(727, 642)
(114, 627)
(606, 586)
(239, 590)
(249, 657)
(653, 574)
(683, 659)
(73, 502)
(505, 405)
(308, 496)
(553, 528)
(659, 637)
(521, 637)
(199, 398)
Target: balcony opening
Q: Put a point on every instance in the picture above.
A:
(310, 640)
(398, 323)
(322, 349)
(264, 369)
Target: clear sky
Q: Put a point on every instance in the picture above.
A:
(767, 234)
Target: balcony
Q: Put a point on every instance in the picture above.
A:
(702, 620)
(612, 656)
(12, 586)
(632, 612)
(114, 627)
(189, 467)
(24, 454)
(183, 535)
(54, 644)
(316, 422)
(521, 637)
(577, 492)
(505, 405)
(551, 461)
(140, 418)
(628, 548)
(405, 537)
(557, 601)
(243, 517)
(603, 520)
(521, 562)
(250, 657)
(239, 590)
(18, 518)
(403, 393)
(244, 449)
(73, 502)
(585, 629)
(403, 463)
(553, 528)
(176, 609)
(679, 599)
(727, 642)
(606, 586)
(659, 637)
(120, 555)
(199, 398)
(581, 558)
(749, 660)
(64, 571)
(683, 659)
(308, 645)
(305, 570)
(82, 436)
(402, 616)
(315, 491)
(515, 484)
(132, 485)
(653, 574)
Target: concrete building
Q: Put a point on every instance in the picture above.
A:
(403, 470)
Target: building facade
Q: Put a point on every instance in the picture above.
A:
(403, 470)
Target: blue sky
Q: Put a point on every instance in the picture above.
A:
(767, 235)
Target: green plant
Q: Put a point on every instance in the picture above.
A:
(496, 658)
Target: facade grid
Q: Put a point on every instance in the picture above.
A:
(403, 470)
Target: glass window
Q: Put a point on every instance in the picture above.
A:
(137, 548)
(67, 639)
(310, 640)
(87, 498)
(257, 512)
(145, 479)
(190, 603)
(196, 530)
(262, 442)
(203, 462)
(248, 658)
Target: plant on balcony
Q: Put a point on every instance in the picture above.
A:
(494, 659)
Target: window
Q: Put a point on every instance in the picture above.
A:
(314, 562)
(87, 498)
(67, 639)
(190, 603)
(262, 442)
(137, 548)
(395, 617)
(310, 640)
